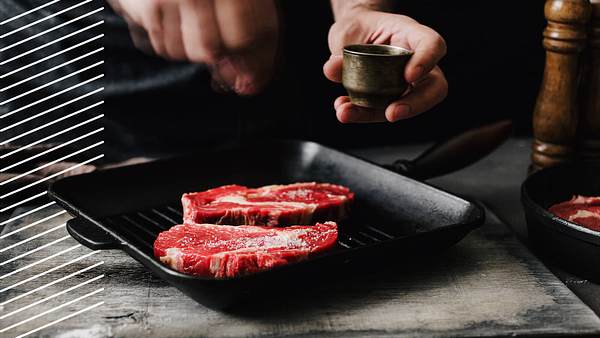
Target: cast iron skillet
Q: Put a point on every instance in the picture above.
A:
(395, 218)
(573, 247)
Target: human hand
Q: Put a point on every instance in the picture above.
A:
(362, 25)
(236, 39)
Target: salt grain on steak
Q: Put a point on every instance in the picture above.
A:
(222, 251)
(274, 205)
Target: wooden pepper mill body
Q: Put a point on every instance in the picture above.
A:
(555, 119)
(589, 124)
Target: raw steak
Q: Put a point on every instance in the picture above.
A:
(274, 205)
(222, 251)
(582, 210)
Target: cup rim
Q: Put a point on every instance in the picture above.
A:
(402, 51)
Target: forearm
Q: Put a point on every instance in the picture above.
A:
(342, 7)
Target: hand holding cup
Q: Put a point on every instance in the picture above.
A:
(428, 85)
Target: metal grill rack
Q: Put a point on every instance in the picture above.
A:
(141, 228)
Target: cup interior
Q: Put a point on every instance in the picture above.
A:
(376, 50)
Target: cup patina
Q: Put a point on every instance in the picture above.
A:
(373, 74)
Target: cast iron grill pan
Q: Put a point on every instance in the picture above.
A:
(394, 218)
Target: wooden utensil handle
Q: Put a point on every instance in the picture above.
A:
(456, 152)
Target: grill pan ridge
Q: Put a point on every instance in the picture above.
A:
(394, 216)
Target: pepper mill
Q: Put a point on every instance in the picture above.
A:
(555, 118)
(589, 123)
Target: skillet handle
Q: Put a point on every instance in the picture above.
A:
(90, 235)
(456, 152)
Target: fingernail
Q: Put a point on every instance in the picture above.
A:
(400, 111)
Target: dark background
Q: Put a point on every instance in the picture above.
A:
(494, 66)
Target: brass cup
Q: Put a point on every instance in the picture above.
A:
(373, 75)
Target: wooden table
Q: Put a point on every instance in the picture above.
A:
(489, 284)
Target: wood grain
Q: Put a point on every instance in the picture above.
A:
(589, 124)
(488, 284)
(555, 118)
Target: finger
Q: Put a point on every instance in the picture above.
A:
(244, 77)
(131, 14)
(251, 77)
(425, 95)
(217, 82)
(429, 48)
(225, 73)
(349, 113)
(133, 10)
(200, 31)
(249, 34)
(139, 36)
(247, 73)
(243, 23)
(152, 21)
(171, 23)
(339, 101)
(233, 74)
(333, 68)
(116, 6)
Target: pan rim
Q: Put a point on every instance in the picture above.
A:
(547, 218)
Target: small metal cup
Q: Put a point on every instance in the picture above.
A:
(373, 75)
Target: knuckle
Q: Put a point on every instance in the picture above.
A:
(405, 20)
(239, 43)
(205, 53)
(440, 43)
(435, 40)
(210, 52)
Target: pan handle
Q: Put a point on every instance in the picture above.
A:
(456, 152)
(90, 235)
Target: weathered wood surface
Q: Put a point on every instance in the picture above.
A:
(495, 180)
(489, 284)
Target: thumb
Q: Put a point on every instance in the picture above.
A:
(333, 68)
